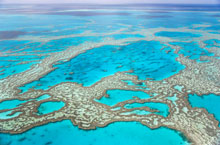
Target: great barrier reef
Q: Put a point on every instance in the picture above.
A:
(109, 74)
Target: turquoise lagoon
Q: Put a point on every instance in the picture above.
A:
(192, 50)
(161, 107)
(209, 102)
(117, 96)
(63, 23)
(184, 36)
(8, 115)
(49, 107)
(91, 66)
(120, 133)
(13, 64)
(11, 104)
(212, 43)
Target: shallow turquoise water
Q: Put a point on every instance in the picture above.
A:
(192, 50)
(214, 27)
(144, 57)
(8, 67)
(7, 45)
(129, 82)
(137, 112)
(116, 96)
(11, 65)
(8, 115)
(45, 25)
(209, 102)
(163, 108)
(11, 104)
(139, 85)
(123, 36)
(173, 99)
(49, 107)
(64, 43)
(120, 133)
(212, 43)
(183, 36)
(43, 97)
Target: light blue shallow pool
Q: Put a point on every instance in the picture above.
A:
(120, 133)
(49, 107)
(116, 96)
(145, 58)
(209, 102)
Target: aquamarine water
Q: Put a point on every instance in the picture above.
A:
(173, 99)
(11, 104)
(13, 45)
(212, 43)
(214, 28)
(91, 66)
(139, 85)
(123, 36)
(161, 107)
(183, 36)
(8, 115)
(209, 102)
(129, 82)
(60, 24)
(13, 64)
(117, 96)
(192, 50)
(137, 112)
(49, 107)
(43, 97)
(120, 133)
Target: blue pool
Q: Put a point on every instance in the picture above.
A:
(120, 133)
(144, 57)
(49, 107)
(209, 102)
(183, 36)
(117, 96)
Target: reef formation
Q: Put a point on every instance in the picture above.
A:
(199, 76)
